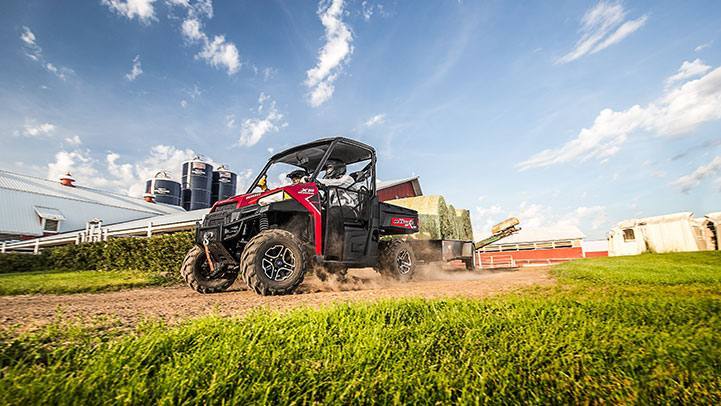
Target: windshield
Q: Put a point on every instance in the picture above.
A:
(277, 175)
(305, 159)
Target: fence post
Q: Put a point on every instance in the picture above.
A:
(36, 250)
(150, 229)
(3, 247)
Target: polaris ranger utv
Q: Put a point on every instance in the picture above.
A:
(273, 236)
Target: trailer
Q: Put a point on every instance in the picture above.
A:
(446, 250)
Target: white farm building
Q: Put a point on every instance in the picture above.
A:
(676, 232)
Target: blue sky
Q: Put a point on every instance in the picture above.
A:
(577, 113)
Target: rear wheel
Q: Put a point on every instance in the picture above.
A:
(273, 263)
(197, 274)
(396, 260)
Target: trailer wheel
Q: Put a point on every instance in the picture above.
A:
(470, 264)
(396, 260)
(273, 263)
(197, 274)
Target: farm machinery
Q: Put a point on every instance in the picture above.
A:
(272, 237)
(324, 212)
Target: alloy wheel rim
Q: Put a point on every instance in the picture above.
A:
(404, 262)
(278, 263)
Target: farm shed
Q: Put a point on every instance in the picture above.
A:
(676, 232)
(540, 246)
(399, 189)
(34, 207)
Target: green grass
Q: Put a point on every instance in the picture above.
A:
(565, 344)
(686, 268)
(73, 282)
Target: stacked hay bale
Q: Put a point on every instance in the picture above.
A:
(437, 219)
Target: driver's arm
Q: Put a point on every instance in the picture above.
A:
(344, 181)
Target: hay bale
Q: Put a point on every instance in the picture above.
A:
(430, 210)
(437, 220)
(463, 221)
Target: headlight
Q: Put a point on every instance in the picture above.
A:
(275, 197)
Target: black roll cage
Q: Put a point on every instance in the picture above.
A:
(333, 143)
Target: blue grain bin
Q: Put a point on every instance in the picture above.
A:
(224, 184)
(162, 189)
(196, 180)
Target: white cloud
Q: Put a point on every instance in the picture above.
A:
(221, 54)
(337, 50)
(34, 52)
(690, 181)
(688, 70)
(368, 10)
(183, 103)
(39, 130)
(111, 173)
(252, 130)
(602, 26)
(218, 52)
(136, 70)
(703, 46)
(269, 73)
(143, 10)
(28, 37)
(376, 120)
(192, 30)
(678, 111)
(538, 216)
(74, 140)
(230, 121)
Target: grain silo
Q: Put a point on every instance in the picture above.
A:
(224, 184)
(162, 189)
(196, 184)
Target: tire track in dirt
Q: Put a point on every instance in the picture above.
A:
(175, 303)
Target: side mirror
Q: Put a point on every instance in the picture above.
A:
(263, 183)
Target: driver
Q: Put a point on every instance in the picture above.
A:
(297, 176)
(335, 175)
(340, 201)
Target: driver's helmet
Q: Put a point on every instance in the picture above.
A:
(334, 169)
(297, 175)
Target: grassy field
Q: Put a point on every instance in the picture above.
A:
(617, 330)
(73, 282)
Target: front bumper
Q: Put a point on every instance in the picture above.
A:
(223, 225)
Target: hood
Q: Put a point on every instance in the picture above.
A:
(298, 192)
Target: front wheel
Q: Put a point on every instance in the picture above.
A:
(396, 260)
(197, 274)
(273, 263)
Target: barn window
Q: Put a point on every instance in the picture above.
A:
(628, 235)
(51, 226)
(49, 218)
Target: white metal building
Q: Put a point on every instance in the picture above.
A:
(33, 207)
(676, 232)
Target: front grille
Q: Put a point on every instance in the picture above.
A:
(225, 207)
(213, 220)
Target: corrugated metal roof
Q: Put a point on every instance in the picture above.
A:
(383, 184)
(193, 215)
(21, 195)
(46, 187)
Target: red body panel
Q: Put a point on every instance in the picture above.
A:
(303, 193)
(404, 222)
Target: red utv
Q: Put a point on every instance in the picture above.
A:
(273, 236)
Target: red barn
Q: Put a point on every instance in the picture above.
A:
(533, 247)
(398, 189)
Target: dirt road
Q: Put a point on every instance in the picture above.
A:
(175, 303)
